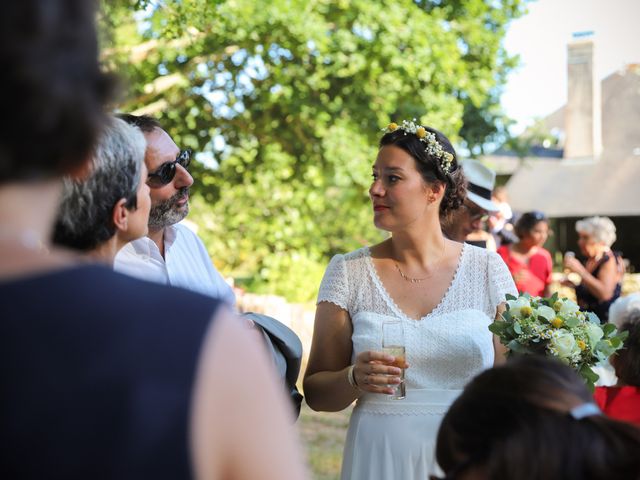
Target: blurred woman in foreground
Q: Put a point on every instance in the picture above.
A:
(106, 376)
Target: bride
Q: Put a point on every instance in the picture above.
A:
(444, 293)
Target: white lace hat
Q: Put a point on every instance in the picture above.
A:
(481, 182)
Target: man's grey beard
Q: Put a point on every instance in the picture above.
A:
(167, 212)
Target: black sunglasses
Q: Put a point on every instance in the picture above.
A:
(167, 171)
(476, 213)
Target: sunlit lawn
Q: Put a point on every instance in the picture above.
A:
(323, 436)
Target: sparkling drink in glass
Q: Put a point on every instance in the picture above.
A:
(566, 271)
(393, 344)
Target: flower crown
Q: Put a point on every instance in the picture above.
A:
(434, 148)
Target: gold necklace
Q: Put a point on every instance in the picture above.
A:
(418, 280)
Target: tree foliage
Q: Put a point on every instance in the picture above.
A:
(284, 100)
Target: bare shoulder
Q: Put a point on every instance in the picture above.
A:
(611, 265)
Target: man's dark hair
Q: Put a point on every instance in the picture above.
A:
(144, 122)
(52, 90)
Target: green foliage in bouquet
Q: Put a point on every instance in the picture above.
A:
(557, 328)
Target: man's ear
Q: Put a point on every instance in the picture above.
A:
(120, 215)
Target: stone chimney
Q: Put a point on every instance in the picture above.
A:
(583, 119)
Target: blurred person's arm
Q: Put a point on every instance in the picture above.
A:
(549, 277)
(603, 286)
(242, 426)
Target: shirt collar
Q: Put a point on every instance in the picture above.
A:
(146, 246)
(170, 235)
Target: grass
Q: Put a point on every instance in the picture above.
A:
(323, 437)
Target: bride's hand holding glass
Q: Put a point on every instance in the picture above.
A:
(377, 372)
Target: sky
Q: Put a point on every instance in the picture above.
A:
(539, 86)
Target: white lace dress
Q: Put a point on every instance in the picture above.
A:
(395, 439)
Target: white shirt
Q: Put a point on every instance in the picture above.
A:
(186, 263)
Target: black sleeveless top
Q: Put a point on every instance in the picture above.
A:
(589, 302)
(97, 371)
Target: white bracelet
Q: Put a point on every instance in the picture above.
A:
(352, 378)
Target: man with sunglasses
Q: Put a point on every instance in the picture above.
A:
(477, 205)
(171, 253)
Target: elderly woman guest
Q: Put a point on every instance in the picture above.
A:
(601, 275)
(106, 376)
(528, 261)
(443, 293)
(101, 213)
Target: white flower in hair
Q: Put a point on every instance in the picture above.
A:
(433, 148)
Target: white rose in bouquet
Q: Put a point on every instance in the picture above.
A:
(563, 344)
(568, 308)
(546, 312)
(594, 332)
(520, 307)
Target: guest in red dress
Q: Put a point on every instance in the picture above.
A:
(529, 263)
(622, 402)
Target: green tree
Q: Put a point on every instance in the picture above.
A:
(284, 100)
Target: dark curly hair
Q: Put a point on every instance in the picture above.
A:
(430, 167)
(510, 417)
(52, 89)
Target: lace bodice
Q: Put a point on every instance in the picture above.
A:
(446, 347)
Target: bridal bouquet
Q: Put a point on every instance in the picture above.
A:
(556, 327)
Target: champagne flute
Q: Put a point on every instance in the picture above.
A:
(569, 254)
(393, 344)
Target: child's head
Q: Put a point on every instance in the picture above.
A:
(532, 419)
